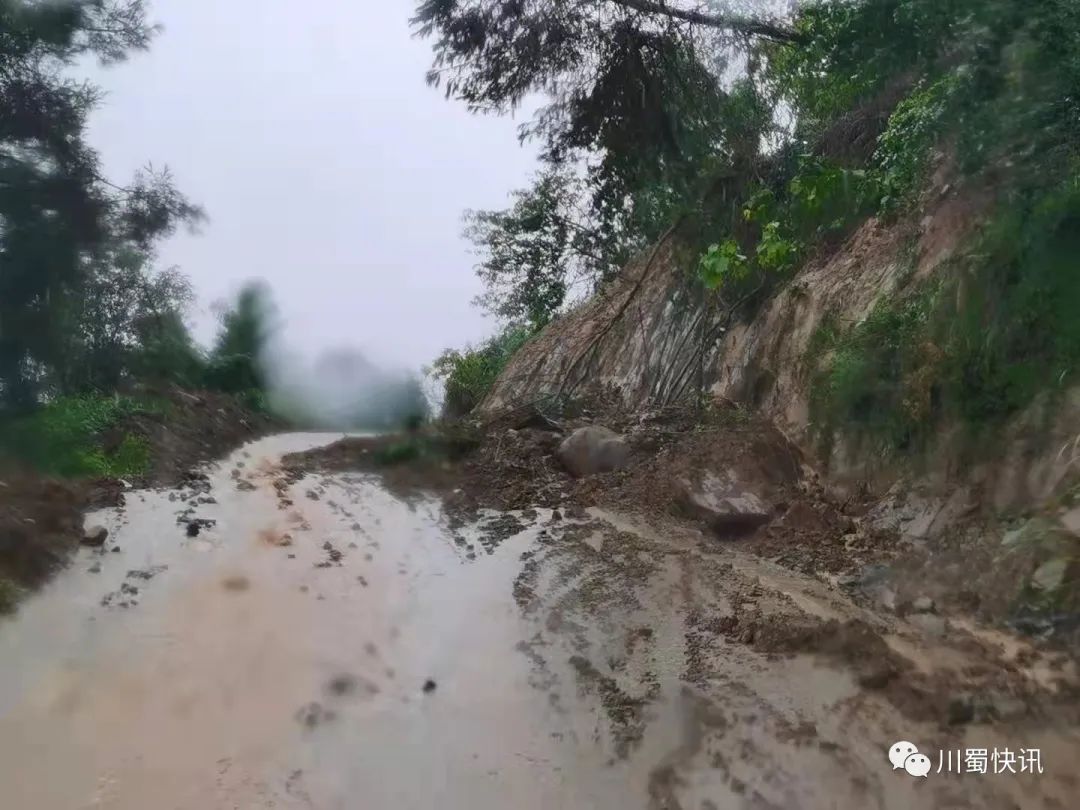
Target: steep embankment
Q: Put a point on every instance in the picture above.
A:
(648, 339)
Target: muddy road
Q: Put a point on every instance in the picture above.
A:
(251, 641)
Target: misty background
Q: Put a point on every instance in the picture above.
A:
(327, 167)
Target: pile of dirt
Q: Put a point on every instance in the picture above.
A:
(510, 462)
(192, 429)
(41, 524)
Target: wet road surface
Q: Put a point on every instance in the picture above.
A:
(325, 644)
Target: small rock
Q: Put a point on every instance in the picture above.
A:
(341, 685)
(236, 583)
(884, 596)
(146, 573)
(95, 568)
(429, 686)
(193, 529)
(313, 714)
(961, 710)
(95, 536)
(929, 623)
(924, 604)
(115, 549)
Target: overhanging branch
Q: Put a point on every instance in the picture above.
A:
(743, 25)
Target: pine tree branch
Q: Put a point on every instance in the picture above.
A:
(743, 25)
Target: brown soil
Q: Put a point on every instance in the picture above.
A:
(509, 463)
(197, 427)
(41, 520)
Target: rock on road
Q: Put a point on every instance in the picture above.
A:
(323, 644)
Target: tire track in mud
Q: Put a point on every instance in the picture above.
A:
(784, 692)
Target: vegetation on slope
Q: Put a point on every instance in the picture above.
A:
(768, 144)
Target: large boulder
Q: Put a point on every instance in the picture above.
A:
(724, 504)
(593, 449)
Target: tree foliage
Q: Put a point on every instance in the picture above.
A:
(66, 233)
(769, 145)
(238, 357)
(469, 374)
(637, 110)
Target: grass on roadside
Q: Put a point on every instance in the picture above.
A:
(66, 438)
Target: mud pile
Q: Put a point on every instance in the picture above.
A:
(511, 463)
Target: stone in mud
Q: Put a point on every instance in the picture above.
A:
(924, 604)
(342, 685)
(95, 536)
(236, 583)
(724, 504)
(961, 710)
(313, 714)
(933, 626)
(593, 449)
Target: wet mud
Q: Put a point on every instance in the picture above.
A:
(322, 642)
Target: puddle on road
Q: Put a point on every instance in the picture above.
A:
(244, 673)
(323, 644)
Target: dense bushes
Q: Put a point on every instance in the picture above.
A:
(998, 328)
(469, 374)
(66, 437)
(987, 94)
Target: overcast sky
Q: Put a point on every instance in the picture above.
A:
(327, 166)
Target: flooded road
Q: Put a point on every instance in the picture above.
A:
(322, 643)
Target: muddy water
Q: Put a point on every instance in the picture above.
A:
(252, 674)
(327, 645)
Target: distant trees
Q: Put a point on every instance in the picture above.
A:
(237, 358)
(77, 289)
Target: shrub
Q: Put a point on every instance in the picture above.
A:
(470, 374)
(63, 438)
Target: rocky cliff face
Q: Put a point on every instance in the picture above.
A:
(649, 340)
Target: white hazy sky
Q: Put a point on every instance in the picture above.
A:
(327, 166)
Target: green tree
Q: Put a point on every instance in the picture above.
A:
(640, 112)
(238, 355)
(533, 252)
(61, 219)
(469, 374)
